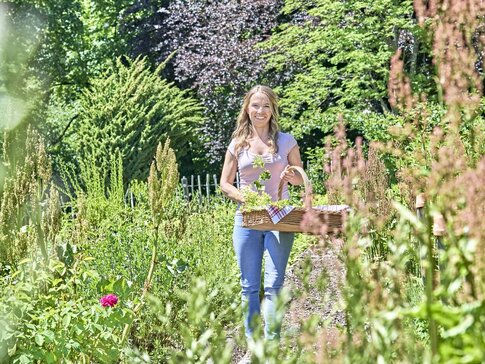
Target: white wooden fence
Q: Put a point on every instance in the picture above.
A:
(197, 185)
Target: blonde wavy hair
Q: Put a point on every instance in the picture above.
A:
(244, 129)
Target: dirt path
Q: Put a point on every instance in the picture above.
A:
(314, 280)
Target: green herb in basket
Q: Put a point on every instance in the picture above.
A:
(258, 162)
(254, 200)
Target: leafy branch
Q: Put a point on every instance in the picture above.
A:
(258, 199)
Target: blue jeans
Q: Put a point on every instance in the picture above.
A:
(250, 247)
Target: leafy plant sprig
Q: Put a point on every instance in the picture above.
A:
(263, 176)
(259, 199)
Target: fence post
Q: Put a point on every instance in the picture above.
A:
(192, 186)
(430, 275)
(215, 183)
(132, 201)
(200, 188)
(207, 185)
(439, 229)
(420, 201)
(185, 187)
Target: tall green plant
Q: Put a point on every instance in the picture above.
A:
(162, 183)
(29, 203)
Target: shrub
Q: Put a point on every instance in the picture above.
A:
(129, 110)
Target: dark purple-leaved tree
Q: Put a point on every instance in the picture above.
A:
(215, 53)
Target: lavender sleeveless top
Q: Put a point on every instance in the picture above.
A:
(274, 163)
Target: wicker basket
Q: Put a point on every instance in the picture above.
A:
(260, 219)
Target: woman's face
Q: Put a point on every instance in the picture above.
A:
(259, 110)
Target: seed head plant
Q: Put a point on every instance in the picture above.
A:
(373, 185)
(162, 181)
(452, 177)
(29, 204)
(162, 184)
(51, 218)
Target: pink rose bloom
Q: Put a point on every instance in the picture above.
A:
(108, 300)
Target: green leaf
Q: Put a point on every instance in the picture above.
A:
(49, 358)
(49, 335)
(12, 350)
(461, 328)
(129, 113)
(409, 216)
(25, 359)
(39, 339)
(66, 320)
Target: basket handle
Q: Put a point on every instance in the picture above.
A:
(307, 198)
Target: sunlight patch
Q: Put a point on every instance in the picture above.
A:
(13, 111)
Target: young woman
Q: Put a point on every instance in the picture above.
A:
(257, 134)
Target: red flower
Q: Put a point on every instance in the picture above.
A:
(108, 300)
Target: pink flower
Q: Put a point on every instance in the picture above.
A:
(108, 300)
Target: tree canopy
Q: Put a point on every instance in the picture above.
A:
(325, 58)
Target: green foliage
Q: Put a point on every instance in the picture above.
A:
(335, 58)
(120, 228)
(64, 43)
(254, 200)
(50, 33)
(258, 199)
(207, 250)
(102, 39)
(446, 304)
(131, 110)
(201, 332)
(45, 317)
(119, 234)
(201, 250)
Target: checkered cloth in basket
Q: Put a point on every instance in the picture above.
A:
(288, 218)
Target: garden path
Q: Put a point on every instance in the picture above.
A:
(315, 280)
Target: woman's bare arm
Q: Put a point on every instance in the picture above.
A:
(227, 178)
(294, 159)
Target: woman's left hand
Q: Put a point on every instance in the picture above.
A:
(287, 175)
